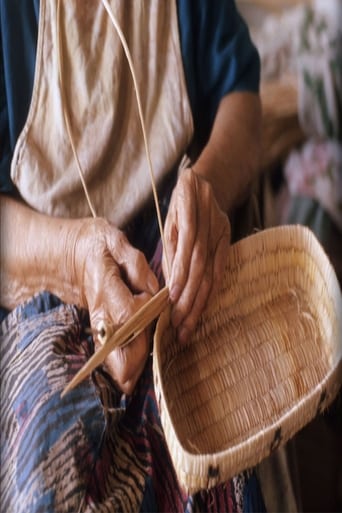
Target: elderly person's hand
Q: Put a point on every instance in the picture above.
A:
(87, 262)
(114, 280)
(197, 234)
(197, 228)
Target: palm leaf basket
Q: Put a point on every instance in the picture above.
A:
(264, 361)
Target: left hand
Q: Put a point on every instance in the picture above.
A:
(197, 238)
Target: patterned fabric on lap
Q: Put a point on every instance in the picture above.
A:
(94, 449)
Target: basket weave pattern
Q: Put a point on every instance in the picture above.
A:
(266, 357)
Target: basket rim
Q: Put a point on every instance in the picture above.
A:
(307, 403)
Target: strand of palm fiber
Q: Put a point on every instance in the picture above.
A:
(154, 307)
(141, 117)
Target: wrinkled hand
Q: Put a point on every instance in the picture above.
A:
(197, 237)
(115, 280)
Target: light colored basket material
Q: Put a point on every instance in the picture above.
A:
(265, 359)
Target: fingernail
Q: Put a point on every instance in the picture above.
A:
(175, 292)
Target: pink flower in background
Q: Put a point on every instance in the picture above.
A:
(316, 171)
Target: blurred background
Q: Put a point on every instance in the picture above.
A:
(300, 46)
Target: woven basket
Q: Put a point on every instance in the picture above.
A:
(264, 361)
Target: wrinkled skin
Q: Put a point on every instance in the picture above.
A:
(90, 263)
(197, 234)
(115, 280)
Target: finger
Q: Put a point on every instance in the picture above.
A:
(187, 223)
(191, 319)
(199, 274)
(133, 266)
(171, 240)
(220, 262)
(111, 300)
(126, 365)
(138, 274)
(190, 310)
(185, 228)
(209, 286)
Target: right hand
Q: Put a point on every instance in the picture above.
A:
(114, 280)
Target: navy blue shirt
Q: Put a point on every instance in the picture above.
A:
(218, 57)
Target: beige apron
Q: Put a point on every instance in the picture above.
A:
(102, 107)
